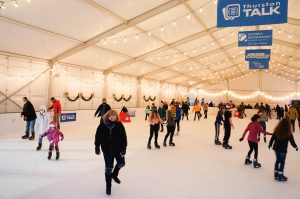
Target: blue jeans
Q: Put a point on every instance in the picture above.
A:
(280, 161)
(30, 126)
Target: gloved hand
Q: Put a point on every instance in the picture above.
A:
(241, 139)
(296, 148)
(265, 139)
(61, 139)
(123, 153)
(97, 151)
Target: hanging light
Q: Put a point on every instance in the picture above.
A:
(136, 36)
(174, 22)
(162, 28)
(188, 16)
(28, 1)
(15, 3)
(290, 36)
(149, 33)
(201, 10)
(2, 5)
(125, 39)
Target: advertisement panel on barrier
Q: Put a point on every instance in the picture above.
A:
(232, 13)
(259, 64)
(258, 54)
(255, 38)
(68, 117)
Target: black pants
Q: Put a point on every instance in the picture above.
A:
(205, 114)
(227, 133)
(253, 146)
(170, 132)
(147, 114)
(299, 122)
(153, 131)
(185, 113)
(198, 114)
(293, 124)
(280, 161)
(263, 126)
(178, 125)
(217, 128)
(110, 170)
(161, 127)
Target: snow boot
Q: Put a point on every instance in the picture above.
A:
(26, 136)
(157, 146)
(227, 146)
(149, 146)
(116, 179)
(217, 142)
(248, 161)
(165, 145)
(256, 164)
(108, 183)
(282, 178)
(57, 155)
(32, 136)
(39, 147)
(172, 144)
(49, 155)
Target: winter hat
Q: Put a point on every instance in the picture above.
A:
(255, 117)
(52, 124)
(153, 108)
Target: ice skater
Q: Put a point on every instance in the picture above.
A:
(218, 123)
(170, 128)
(227, 128)
(29, 116)
(177, 117)
(254, 129)
(263, 117)
(111, 137)
(53, 134)
(197, 110)
(205, 108)
(162, 115)
(147, 112)
(42, 122)
(280, 139)
(154, 121)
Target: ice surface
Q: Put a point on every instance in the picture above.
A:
(194, 169)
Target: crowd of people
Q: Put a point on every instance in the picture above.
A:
(111, 134)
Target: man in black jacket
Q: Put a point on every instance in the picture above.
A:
(111, 136)
(102, 109)
(29, 116)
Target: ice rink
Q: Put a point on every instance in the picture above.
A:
(194, 169)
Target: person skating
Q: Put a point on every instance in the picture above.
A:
(263, 117)
(293, 115)
(170, 128)
(185, 110)
(162, 115)
(218, 123)
(29, 116)
(56, 111)
(154, 121)
(205, 108)
(254, 128)
(197, 110)
(111, 137)
(147, 112)
(177, 117)
(102, 109)
(42, 122)
(53, 134)
(279, 141)
(227, 128)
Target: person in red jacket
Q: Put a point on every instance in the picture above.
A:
(56, 110)
(254, 129)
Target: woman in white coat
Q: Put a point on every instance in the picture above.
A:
(42, 122)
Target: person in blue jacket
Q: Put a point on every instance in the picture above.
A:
(177, 116)
(162, 114)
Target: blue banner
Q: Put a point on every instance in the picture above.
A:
(255, 38)
(68, 117)
(259, 64)
(232, 13)
(259, 54)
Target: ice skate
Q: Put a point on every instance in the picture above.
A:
(217, 142)
(149, 146)
(49, 155)
(248, 161)
(172, 144)
(39, 147)
(282, 178)
(116, 179)
(165, 145)
(26, 136)
(256, 164)
(108, 190)
(276, 176)
(57, 155)
(157, 146)
(31, 137)
(228, 146)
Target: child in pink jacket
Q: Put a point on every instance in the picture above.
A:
(53, 134)
(254, 129)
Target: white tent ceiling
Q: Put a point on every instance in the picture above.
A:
(141, 38)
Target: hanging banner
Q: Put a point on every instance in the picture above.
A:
(259, 54)
(232, 13)
(255, 38)
(259, 64)
(68, 117)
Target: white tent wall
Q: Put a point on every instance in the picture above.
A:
(270, 84)
(19, 78)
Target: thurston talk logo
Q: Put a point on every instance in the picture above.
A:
(232, 11)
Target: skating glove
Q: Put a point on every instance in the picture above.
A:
(241, 139)
(123, 153)
(296, 148)
(61, 139)
(265, 139)
(97, 151)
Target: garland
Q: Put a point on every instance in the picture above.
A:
(149, 98)
(118, 100)
(88, 99)
(127, 98)
(66, 94)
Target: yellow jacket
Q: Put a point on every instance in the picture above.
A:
(197, 108)
(293, 113)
